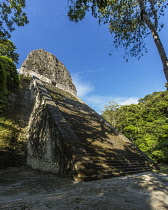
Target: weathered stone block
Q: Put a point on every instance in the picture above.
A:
(52, 145)
(49, 69)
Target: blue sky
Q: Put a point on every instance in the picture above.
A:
(84, 49)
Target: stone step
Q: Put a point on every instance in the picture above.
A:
(119, 161)
(114, 174)
(113, 151)
(124, 163)
(107, 154)
(130, 154)
(126, 168)
(119, 164)
(116, 159)
(123, 171)
(127, 151)
(110, 175)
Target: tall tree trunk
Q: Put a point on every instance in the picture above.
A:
(159, 45)
(161, 51)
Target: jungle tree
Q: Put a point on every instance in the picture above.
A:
(11, 14)
(129, 21)
(7, 48)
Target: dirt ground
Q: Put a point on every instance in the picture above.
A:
(21, 189)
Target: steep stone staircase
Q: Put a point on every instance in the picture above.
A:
(111, 153)
(67, 137)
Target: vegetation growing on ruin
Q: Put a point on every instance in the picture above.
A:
(9, 80)
(8, 133)
(59, 94)
(12, 143)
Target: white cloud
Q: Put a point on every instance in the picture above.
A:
(127, 101)
(83, 87)
(98, 102)
(85, 91)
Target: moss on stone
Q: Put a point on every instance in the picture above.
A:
(59, 94)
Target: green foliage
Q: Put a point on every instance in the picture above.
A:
(109, 112)
(7, 48)
(2, 78)
(12, 80)
(12, 139)
(11, 13)
(125, 19)
(9, 81)
(163, 169)
(24, 80)
(3, 89)
(146, 124)
(8, 133)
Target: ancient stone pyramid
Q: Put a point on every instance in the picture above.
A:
(66, 136)
(49, 69)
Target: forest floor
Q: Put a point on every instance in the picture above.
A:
(21, 188)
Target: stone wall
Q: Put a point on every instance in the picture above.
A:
(49, 69)
(52, 145)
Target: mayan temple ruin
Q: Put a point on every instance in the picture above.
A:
(67, 137)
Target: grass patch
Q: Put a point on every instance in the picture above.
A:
(163, 169)
(13, 147)
(23, 81)
(9, 131)
(12, 151)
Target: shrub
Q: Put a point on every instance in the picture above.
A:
(9, 81)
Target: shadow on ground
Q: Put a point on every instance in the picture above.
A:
(21, 188)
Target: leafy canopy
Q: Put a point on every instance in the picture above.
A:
(124, 19)
(10, 73)
(7, 48)
(145, 124)
(9, 81)
(109, 112)
(11, 14)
